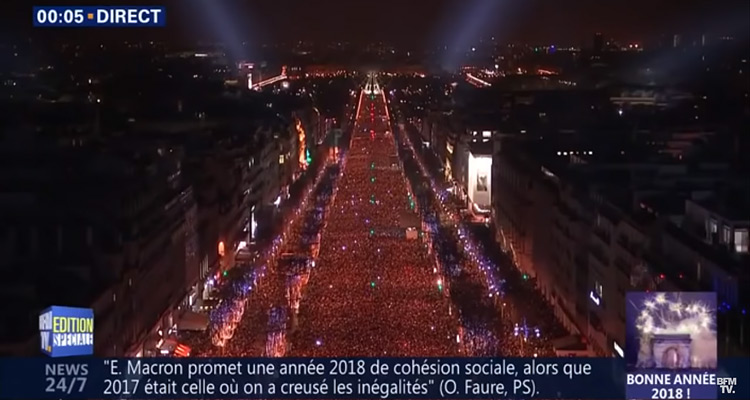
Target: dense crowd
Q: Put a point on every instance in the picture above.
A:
(342, 278)
(526, 322)
(473, 292)
(373, 292)
(258, 301)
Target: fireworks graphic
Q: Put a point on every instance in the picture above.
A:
(666, 317)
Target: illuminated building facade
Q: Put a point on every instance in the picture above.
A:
(586, 250)
(479, 181)
(247, 73)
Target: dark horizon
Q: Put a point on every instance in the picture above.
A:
(414, 24)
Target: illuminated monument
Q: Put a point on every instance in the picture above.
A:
(671, 351)
(672, 330)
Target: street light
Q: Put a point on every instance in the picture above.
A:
(524, 332)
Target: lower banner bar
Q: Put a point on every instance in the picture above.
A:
(345, 378)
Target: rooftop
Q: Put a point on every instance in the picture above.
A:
(480, 148)
(734, 206)
(668, 203)
(735, 265)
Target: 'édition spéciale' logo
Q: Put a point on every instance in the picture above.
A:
(99, 16)
(67, 331)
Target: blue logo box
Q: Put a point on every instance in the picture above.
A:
(99, 16)
(66, 331)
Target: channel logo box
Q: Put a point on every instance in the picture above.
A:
(66, 331)
(99, 16)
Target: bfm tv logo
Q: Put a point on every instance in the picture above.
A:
(67, 331)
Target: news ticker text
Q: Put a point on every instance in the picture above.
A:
(360, 378)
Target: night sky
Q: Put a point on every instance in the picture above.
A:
(422, 22)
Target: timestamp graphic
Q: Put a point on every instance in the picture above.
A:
(99, 16)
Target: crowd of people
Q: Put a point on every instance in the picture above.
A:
(343, 279)
(257, 300)
(527, 324)
(266, 332)
(473, 289)
(373, 292)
